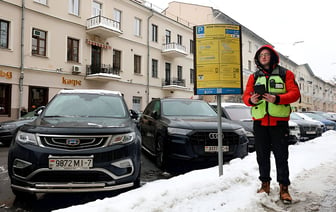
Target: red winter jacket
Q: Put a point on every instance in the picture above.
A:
(292, 94)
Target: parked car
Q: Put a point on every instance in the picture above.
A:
(241, 114)
(186, 130)
(9, 128)
(326, 115)
(83, 141)
(329, 125)
(309, 129)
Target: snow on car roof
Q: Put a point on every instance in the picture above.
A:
(90, 91)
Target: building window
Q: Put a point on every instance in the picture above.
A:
(73, 49)
(117, 17)
(136, 103)
(4, 33)
(167, 74)
(154, 68)
(154, 33)
(74, 7)
(39, 42)
(116, 61)
(38, 96)
(137, 64)
(96, 9)
(192, 76)
(168, 36)
(137, 27)
(192, 47)
(5, 99)
(179, 73)
(179, 39)
(41, 1)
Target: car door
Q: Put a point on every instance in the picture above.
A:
(148, 124)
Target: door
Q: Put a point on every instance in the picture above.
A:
(95, 59)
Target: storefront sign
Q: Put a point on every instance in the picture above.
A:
(71, 82)
(7, 75)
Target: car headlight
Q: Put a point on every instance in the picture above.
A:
(26, 138)
(123, 138)
(241, 131)
(179, 131)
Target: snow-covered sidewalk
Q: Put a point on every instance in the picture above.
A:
(312, 172)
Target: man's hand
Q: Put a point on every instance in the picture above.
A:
(269, 97)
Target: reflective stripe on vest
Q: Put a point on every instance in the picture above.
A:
(274, 85)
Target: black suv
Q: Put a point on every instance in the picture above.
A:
(83, 141)
(186, 129)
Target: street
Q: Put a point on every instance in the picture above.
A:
(49, 202)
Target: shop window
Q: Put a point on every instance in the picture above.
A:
(5, 99)
(38, 96)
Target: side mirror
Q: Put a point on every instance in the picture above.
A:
(155, 115)
(134, 115)
(39, 110)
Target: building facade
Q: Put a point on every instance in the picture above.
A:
(124, 45)
(119, 45)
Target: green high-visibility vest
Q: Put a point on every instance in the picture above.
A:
(274, 85)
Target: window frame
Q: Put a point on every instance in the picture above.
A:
(73, 52)
(137, 64)
(4, 44)
(116, 60)
(137, 26)
(6, 99)
(74, 7)
(39, 40)
(155, 33)
(155, 68)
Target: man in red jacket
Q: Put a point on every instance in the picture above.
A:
(269, 91)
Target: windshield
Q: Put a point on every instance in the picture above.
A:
(239, 113)
(86, 105)
(187, 108)
(315, 116)
(295, 116)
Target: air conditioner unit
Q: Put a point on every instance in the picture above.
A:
(36, 33)
(76, 69)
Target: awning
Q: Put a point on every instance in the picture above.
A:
(94, 43)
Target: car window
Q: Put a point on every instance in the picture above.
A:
(86, 105)
(187, 108)
(238, 113)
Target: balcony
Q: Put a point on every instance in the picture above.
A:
(102, 72)
(175, 84)
(103, 27)
(173, 50)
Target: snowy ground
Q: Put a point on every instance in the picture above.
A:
(312, 172)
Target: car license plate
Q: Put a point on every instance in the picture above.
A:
(310, 132)
(215, 148)
(70, 163)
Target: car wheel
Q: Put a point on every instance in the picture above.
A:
(161, 153)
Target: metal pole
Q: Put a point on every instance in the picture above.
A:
(22, 59)
(220, 135)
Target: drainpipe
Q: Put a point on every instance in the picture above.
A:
(148, 55)
(22, 59)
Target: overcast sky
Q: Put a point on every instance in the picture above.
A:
(282, 23)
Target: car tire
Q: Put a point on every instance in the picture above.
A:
(161, 153)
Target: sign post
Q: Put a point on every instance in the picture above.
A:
(218, 67)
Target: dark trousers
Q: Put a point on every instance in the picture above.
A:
(272, 139)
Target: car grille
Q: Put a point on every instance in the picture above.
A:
(71, 176)
(309, 128)
(202, 138)
(73, 142)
